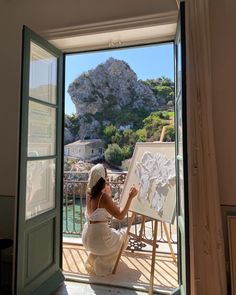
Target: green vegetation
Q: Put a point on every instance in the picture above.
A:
(121, 143)
(72, 123)
(124, 117)
(108, 132)
(163, 88)
(113, 154)
(169, 134)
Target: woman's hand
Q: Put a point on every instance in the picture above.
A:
(133, 192)
(115, 210)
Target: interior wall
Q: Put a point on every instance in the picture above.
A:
(39, 16)
(223, 47)
(7, 208)
(60, 13)
(223, 53)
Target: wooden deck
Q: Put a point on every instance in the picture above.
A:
(133, 271)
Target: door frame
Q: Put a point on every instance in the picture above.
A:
(185, 138)
(181, 29)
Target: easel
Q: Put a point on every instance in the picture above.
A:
(152, 242)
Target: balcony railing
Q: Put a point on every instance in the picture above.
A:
(74, 201)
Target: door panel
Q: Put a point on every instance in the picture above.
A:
(39, 256)
(181, 156)
(40, 190)
(38, 259)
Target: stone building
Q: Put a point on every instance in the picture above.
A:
(86, 150)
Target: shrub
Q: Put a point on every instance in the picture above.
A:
(170, 134)
(113, 154)
(141, 135)
(108, 132)
(127, 151)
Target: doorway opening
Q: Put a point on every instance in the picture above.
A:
(115, 98)
(108, 132)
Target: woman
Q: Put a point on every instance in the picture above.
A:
(99, 239)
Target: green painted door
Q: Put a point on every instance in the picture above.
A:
(181, 156)
(38, 257)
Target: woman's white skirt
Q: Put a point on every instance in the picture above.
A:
(104, 244)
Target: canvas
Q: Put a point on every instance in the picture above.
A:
(152, 171)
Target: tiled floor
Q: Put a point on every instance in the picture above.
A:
(74, 288)
(133, 271)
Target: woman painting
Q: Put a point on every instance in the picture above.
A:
(99, 239)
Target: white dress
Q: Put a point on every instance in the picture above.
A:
(102, 242)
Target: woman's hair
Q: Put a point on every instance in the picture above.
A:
(98, 187)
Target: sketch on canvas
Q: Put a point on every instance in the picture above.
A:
(152, 170)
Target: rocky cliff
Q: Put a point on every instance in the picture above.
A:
(113, 85)
(112, 94)
(101, 93)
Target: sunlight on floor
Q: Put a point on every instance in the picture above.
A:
(133, 270)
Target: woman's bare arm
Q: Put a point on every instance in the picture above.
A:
(115, 210)
(88, 203)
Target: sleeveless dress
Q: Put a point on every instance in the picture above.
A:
(102, 242)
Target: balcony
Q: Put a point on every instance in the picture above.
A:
(133, 270)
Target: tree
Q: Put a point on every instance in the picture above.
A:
(108, 132)
(141, 135)
(127, 151)
(117, 138)
(113, 154)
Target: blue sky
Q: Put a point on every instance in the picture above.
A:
(148, 62)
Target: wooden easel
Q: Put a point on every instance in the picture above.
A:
(140, 237)
(152, 242)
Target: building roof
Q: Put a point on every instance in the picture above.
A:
(84, 142)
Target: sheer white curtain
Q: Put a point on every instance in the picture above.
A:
(208, 275)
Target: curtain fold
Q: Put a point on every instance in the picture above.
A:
(208, 273)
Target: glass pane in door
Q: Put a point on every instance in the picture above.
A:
(41, 130)
(43, 74)
(40, 187)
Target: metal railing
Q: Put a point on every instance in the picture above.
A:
(74, 202)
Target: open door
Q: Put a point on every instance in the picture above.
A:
(38, 257)
(181, 156)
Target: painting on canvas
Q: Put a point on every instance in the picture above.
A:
(152, 171)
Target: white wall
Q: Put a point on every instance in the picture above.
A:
(223, 47)
(39, 16)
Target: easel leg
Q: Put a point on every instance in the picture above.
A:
(142, 228)
(169, 241)
(153, 257)
(125, 239)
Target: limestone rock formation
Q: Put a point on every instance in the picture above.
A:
(110, 88)
(112, 84)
